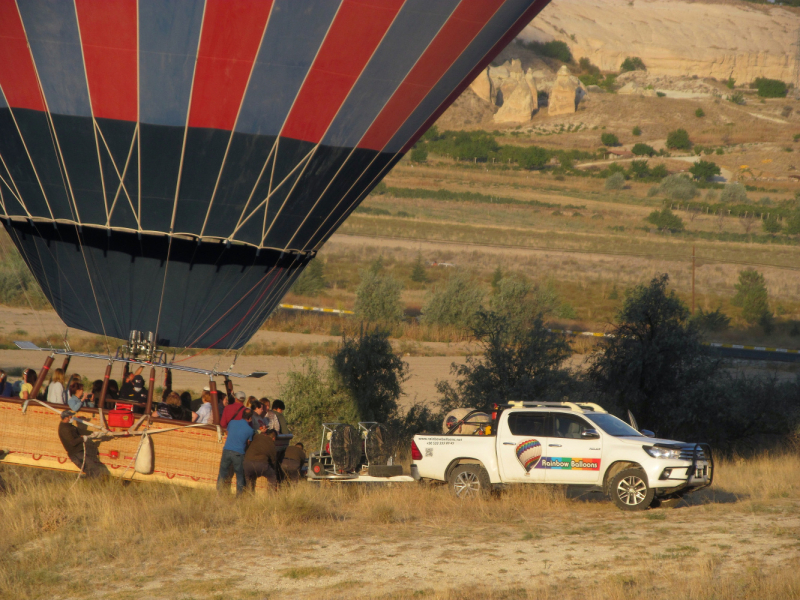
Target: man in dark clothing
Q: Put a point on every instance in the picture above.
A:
(240, 433)
(6, 389)
(234, 411)
(261, 458)
(278, 407)
(293, 459)
(74, 444)
(134, 389)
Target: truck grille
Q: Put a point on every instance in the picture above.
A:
(687, 453)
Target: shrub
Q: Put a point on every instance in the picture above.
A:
(771, 225)
(730, 83)
(609, 139)
(793, 223)
(751, 295)
(659, 171)
(454, 303)
(615, 182)
(533, 157)
(378, 298)
(637, 131)
(587, 67)
(312, 280)
(714, 320)
(632, 63)
(666, 219)
(678, 140)
(553, 49)
(661, 94)
(720, 151)
(419, 154)
(639, 169)
(643, 150)
(609, 83)
(699, 113)
(734, 193)
(737, 98)
(770, 88)
(678, 187)
(703, 170)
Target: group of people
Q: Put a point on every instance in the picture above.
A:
(249, 452)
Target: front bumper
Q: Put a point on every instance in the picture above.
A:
(685, 475)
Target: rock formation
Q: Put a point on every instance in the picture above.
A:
(482, 86)
(677, 38)
(563, 97)
(517, 107)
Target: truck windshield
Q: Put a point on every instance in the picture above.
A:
(611, 424)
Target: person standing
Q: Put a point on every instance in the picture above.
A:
(233, 411)
(260, 459)
(55, 391)
(278, 407)
(75, 445)
(272, 418)
(293, 459)
(240, 433)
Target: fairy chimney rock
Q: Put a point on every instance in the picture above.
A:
(517, 106)
(562, 97)
(482, 86)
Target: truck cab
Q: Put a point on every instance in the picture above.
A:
(564, 443)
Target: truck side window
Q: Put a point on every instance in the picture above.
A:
(568, 426)
(524, 423)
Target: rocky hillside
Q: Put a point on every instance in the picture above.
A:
(684, 38)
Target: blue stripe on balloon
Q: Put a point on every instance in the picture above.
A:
(413, 29)
(498, 25)
(169, 33)
(52, 30)
(295, 31)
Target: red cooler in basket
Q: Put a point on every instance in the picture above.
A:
(120, 418)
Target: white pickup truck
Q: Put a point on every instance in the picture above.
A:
(562, 443)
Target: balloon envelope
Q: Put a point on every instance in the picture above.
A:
(172, 165)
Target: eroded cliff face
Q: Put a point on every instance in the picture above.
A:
(682, 38)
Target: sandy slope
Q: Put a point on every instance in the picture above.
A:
(677, 37)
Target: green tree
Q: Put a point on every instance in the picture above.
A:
(713, 320)
(654, 365)
(637, 131)
(497, 277)
(770, 88)
(378, 298)
(532, 157)
(643, 150)
(678, 187)
(678, 140)
(734, 193)
(730, 83)
(659, 171)
(371, 371)
(553, 49)
(515, 364)
(703, 170)
(666, 219)
(639, 169)
(632, 63)
(419, 154)
(771, 225)
(751, 296)
(793, 223)
(418, 272)
(609, 139)
(699, 113)
(456, 302)
(519, 301)
(312, 280)
(615, 182)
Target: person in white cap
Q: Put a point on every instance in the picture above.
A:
(233, 412)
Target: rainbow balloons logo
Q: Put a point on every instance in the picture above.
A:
(528, 453)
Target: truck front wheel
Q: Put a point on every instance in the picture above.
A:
(469, 481)
(629, 490)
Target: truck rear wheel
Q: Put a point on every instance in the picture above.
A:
(629, 490)
(469, 481)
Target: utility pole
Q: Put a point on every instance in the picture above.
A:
(693, 268)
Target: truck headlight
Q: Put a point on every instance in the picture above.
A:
(657, 452)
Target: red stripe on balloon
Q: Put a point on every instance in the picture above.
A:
(17, 73)
(356, 31)
(232, 31)
(108, 36)
(519, 25)
(461, 28)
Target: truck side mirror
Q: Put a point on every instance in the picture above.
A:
(590, 434)
(647, 433)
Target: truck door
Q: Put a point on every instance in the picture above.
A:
(571, 456)
(521, 442)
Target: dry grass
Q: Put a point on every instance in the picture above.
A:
(105, 538)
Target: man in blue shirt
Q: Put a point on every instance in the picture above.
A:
(240, 434)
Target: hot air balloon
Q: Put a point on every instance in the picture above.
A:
(170, 166)
(528, 453)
